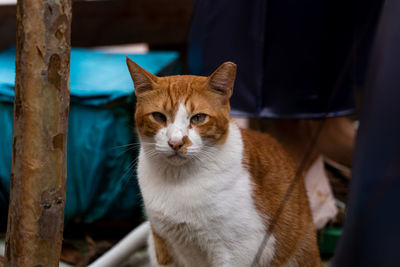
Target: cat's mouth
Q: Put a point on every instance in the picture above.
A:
(177, 159)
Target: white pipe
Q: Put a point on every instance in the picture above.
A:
(119, 253)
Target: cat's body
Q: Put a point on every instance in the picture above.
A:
(210, 189)
(211, 222)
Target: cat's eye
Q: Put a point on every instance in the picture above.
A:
(198, 118)
(159, 117)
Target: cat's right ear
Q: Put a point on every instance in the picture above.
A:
(222, 80)
(142, 79)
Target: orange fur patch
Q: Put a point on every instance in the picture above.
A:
(272, 171)
(186, 143)
(162, 254)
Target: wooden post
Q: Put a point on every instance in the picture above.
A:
(41, 106)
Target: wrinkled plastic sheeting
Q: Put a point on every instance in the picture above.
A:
(320, 194)
(101, 176)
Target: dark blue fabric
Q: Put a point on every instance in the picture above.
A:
(371, 232)
(101, 177)
(231, 31)
(290, 54)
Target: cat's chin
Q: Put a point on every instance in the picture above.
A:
(177, 160)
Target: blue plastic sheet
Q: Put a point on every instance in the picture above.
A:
(96, 77)
(101, 179)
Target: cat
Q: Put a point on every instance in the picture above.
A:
(210, 189)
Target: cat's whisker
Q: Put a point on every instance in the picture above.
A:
(128, 172)
(210, 157)
(151, 154)
(204, 158)
(207, 153)
(162, 146)
(126, 145)
(131, 148)
(147, 143)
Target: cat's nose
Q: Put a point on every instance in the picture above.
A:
(176, 144)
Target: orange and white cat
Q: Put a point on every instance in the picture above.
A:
(211, 189)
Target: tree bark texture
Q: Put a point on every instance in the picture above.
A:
(41, 107)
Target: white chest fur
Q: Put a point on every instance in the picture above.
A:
(204, 209)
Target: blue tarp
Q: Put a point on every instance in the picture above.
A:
(96, 77)
(101, 177)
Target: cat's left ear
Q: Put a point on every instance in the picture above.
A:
(223, 79)
(142, 79)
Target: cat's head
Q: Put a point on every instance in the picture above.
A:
(180, 118)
